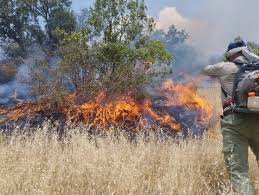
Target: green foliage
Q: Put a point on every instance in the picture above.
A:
(120, 20)
(62, 19)
(172, 37)
(16, 26)
(78, 64)
(253, 47)
(113, 53)
(54, 13)
(121, 33)
(20, 23)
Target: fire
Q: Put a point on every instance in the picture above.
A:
(123, 110)
(95, 112)
(186, 96)
(164, 119)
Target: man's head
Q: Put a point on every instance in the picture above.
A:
(235, 49)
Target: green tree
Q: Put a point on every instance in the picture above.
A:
(17, 29)
(54, 13)
(185, 56)
(61, 19)
(121, 32)
(175, 36)
(20, 23)
(115, 49)
(171, 38)
(113, 53)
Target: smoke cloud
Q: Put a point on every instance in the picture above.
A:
(17, 89)
(188, 57)
(216, 23)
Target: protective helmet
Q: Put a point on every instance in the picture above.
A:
(236, 46)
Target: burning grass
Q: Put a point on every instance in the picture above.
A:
(175, 107)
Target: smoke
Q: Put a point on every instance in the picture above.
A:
(187, 57)
(215, 24)
(1, 54)
(16, 89)
(232, 18)
(170, 16)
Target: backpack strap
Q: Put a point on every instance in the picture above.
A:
(241, 70)
(224, 92)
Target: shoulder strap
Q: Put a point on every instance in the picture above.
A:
(251, 65)
(239, 63)
(224, 92)
(237, 79)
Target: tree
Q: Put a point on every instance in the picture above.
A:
(121, 20)
(113, 53)
(63, 19)
(120, 30)
(17, 27)
(186, 58)
(20, 23)
(171, 38)
(54, 13)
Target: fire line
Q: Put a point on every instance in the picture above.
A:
(125, 110)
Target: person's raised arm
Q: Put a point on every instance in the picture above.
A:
(213, 70)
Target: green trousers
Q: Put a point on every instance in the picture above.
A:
(240, 131)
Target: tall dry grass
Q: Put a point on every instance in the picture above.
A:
(78, 165)
(42, 164)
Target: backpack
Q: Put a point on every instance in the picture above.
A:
(245, 96)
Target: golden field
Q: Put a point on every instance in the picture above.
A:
(41, 164)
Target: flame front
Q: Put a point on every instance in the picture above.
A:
(122, 110)
(112, 113)
(186, 95)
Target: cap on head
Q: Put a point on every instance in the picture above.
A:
(235, 47)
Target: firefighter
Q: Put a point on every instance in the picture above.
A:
(240, 131)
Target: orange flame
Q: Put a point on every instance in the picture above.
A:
(95, 112)
(120, 110)
(186, 96)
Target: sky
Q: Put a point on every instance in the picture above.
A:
(154, 6)
(211, 24)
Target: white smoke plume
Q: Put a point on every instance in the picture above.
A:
(216, 24)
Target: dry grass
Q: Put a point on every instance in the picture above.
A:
(41, 164)
(106, 166)
(213, 94)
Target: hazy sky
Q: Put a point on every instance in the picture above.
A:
(154, 6)
(212, 24)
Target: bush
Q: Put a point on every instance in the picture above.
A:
(113, 53)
